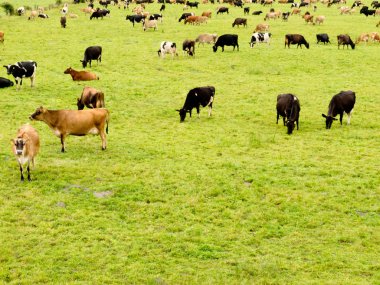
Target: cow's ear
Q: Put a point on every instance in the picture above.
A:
(178, 110)
(81, 60)
(334, 119)
(324, 116)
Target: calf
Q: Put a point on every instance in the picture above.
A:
(25, 147)
(206, 38)
(189, 47)
(63, 21)
(319, 19)
(324, 38)
(226, 40)
(285, 16)
(288, 107)
(240, 21)
(222, 10)
(195, 98)
(342, 102)
(81, 75)
(167, 47)
(92, 53)
(295, 39)
(91, 98)
(20, 11)
(22, 69)
(4, 82)
(260, 38)
(364, 37)
(73, 122)
(135, 18)
(184, 16)
(345, 40)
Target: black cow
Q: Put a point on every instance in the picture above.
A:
(246, 10)
(285, 16)
(63, 21)
(331, 2)
(92, 53)
(188, 46)
(324, 38)
(222, 10)
(256, 13)
(238, 3)
(100, 13)
(195, 98)
(295, 39)
(364, 10)
(226, 40)
(184, 16)
(135, 18)
(342, 102)
(288, 106)
(22, 69)
(345, 40)
(192, 4)
(162, 7)
(4, 82)
(376, 5)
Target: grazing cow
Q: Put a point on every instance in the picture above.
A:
(226, 40)
(20, 11)
(324, 38)
(246, 10)
(149, 24)
(261, 28)
(135, 18)
(100, 13)
(81, 75)
(345, 40)
(285, 16)
(206, 38)
(257, 13)
(184, 16)
(296, 11)
(167, 47)
(43, 16)
(303, 4)
(156, 17)
(22, 69)
(74, 122)
(92, 53)
(63, 21)
(195, 98)
(222, 10)
(189, 47)
(207, 14)
(364, 37)
(192, 4)
(91, 98)
(319, 19)
(364, 10)
(260, 38)
(4, 82)
(342, 102)
(308, 19)
(73, 16)
(288, 106)
(88, 10)
(375, 37)
(272, 15)
(25, 147)
(295, 39)
(240, 21)
(2, 37)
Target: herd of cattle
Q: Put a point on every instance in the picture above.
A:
(95, 119)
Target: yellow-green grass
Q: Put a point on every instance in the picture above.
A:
(230, 199)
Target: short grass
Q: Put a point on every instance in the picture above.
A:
(230, 199)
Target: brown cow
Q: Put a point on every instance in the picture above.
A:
(375, 37)
(240, 21)
(364, 37)
(74, 122)
(207, 14)
(81, 75)
(261, 28)
(25, 147)
(91, 98)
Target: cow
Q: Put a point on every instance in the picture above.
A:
(285, 16)
(33, 14)
(91, 98)
(156, 17)
(345, 40)
(100, 13)
(167, 47)
(189, 47)
(260, 38)
(22, 69)
(295, 39)
(206, 38)
(324, 38)
(207, 14)
(88, 10)
(240, 21)
(63, 21)
(226, 40)
(364, 37)
(319, 19)
(222, 10)
(25, 147)
(246, 10)
(135, 18)
(342, 102)
(192, 4)
(257, 13)
(364, 10)
(375, 37)
(20, 10)
(184, 16)
(162, 7)
(43, 16)
(195, 98)
(288, 106)
(4, 82)
(149, 24)
(92, 53)
(81, 75)
(74, 122)
(261, 28)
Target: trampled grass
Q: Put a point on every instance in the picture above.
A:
(229, 199)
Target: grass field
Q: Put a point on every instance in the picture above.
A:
(230, 199)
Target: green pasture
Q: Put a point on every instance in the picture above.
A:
(230, 199)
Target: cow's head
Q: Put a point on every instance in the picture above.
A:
(80, 104)
(84, 63)
(329, 121)
(182, 114)
(38, 114)
(18, 145)
(214, 48)
(290, 125)
(306, 44)
(68, 70)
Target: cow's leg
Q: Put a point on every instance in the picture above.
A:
(349, 117)
(21, 170)
(340, 118)
(32, 81)
(222, 48)
(104, 141)
(237, 47)
(63, 143)
(278, 117)
(297, 124)
(199, 115)
(28, 168)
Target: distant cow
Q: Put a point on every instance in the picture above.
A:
(345, 40)
(189, 47)
(285, 16)
(364, 10)
(319, 19)
(25, 147)
(22, 69)
(91, 98)
(167, 47)
(81, 75)
(4, 82)
(184, 16)
(43, 16)
(256, 13)
(324, 38)
(135, 18)
(222, 10)
(240, 21)
(192, 4)
(200, 96)
(226, 40)
(262, 28)
(20, 11)
(92, 53)
(63, 21)
(260, 38)
(342, 102)
(100, 13)
(246, 10)
(74, 122)
(149, 24)
(288, 106)
(206, 38)
(2, 37)
(295, 39)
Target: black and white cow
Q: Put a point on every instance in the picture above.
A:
(92, 53)
(342, 102)
(167, 47)
(200, 96)
(22, 69)
(43, 16)
(324, 38)
(20, 10)
(260, 38)
(288, 106)
(4, 82)
(135, 18)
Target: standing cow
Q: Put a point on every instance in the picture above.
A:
(92, 53)
(226, 40)
(260, 38)
(195, 98)
(22, 69)
(295, 39)
(342, 102)
(167, 47)
(288, 106)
